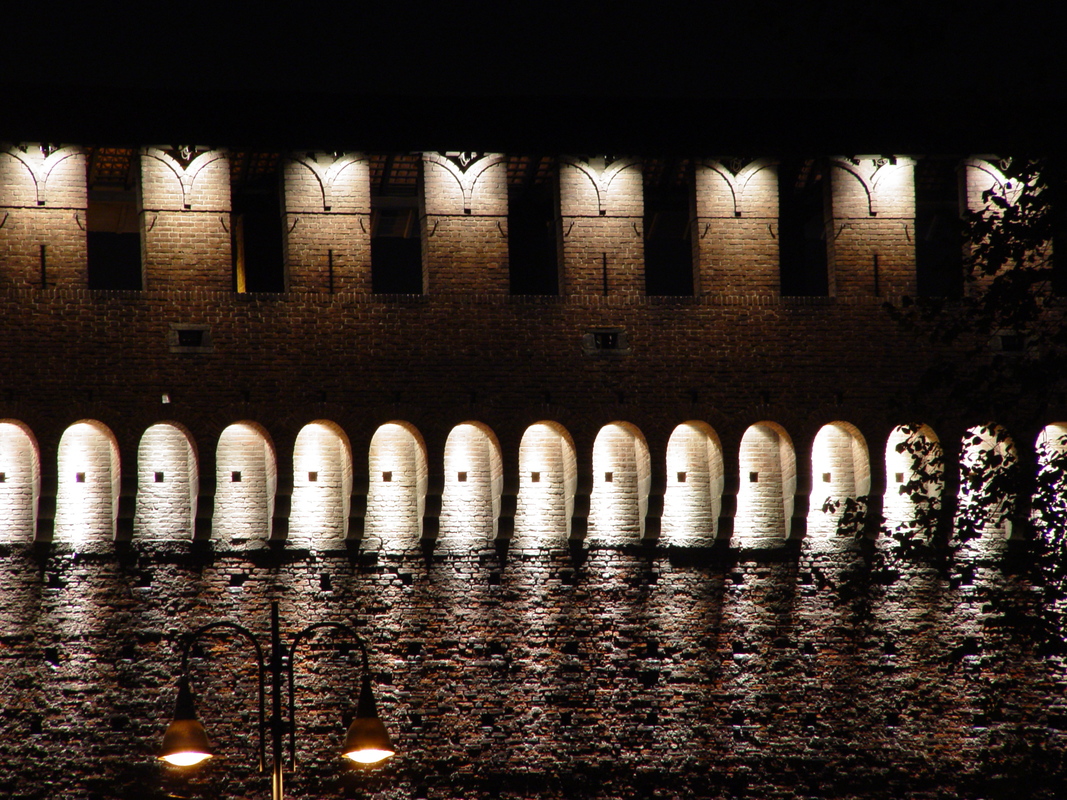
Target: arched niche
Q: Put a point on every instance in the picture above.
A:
(548, 477)
(20, 482)
(88, 483)
(1050, 495)
(474, 481)
(396, 490)
(246, 480)
(987, 497)
(840, 472)
(767, 488)
(168, 480)
(692, 501)
(914, 468)
(322, 483)
(622, 475)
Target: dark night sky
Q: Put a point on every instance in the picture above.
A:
(659, 69)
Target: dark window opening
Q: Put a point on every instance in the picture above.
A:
(803, 212)
(668, 244)
(938, 230)
(396, 242)
(1057, 182)
(256, 232)
(533, 226)
(112, 224)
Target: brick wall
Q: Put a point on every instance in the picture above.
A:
(327, 216)
(871, 245)
(245, 484)
(621, 480)
(473, 482)
(397, 483)
(322, 483)
(692, 501)
(602, 210)
(767, 484)
(735, 231)
(88, 479)
(464, 218)
(548, 477)
(43, 202)
(185, 219)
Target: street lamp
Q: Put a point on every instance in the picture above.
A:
(185, 742)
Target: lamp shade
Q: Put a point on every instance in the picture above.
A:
(367, 741)
(185, 742)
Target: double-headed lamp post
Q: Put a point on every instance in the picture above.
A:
(185, 742)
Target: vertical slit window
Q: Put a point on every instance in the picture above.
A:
(938, 231)
(112, 221)
(668, 202)
(256, 222)
(396, 241)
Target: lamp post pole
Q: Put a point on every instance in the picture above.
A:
(185, 742)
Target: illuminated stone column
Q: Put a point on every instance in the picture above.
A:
(20, 482)
(692, 501)
(88, 483)
(396, 492)
(474, 482)
(168, 480)
(602, 210)
(322, 484)
(246, 479)
(622, 477)
(43, 201)
(736, 226)
(871, 247)
(840, 472)
(767, 488)
(185, 219)
(465, 217)
(548, 477)
(327, 222)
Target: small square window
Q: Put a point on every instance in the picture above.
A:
(79, 477)
(3, 477)
(826, 477)
(235, 477)
(159, 477)
(462, 477)
(535, 477)
(190, 338)
(681, 477)
(313, 477)
(753, 477)
(608, 477)
(387, 476)
(900, 477)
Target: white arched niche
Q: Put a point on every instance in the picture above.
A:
(692, 501)
(474, 482)
(767, 488)
(548, 478)
(396, 490)
(88, 483)
(322, 483)
(914, 468)
(20, 482)
(246, 480)
(168, 480)
(622, 476)
(840, 472)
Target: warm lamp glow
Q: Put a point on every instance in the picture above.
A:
(369, 756)
(185, 759)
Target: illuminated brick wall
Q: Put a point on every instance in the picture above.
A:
(871, 246)
(602, 208)
(464, 222)
(735, 226)
(185, 219)
(43, 201)
(327, 222)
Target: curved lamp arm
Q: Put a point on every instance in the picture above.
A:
(191, 638)
(304, 634)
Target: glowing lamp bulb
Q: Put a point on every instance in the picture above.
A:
(369, 756)
(186, 758)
